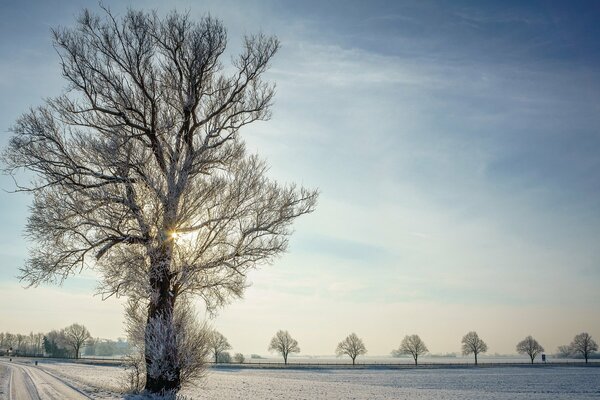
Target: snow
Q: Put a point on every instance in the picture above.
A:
(97, 381)
(448, 383)
(4, 377)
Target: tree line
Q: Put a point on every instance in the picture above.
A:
(71, 341)
(353, 346)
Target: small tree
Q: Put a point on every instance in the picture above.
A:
(529, 346)
(412, 345)
(583, 344)
(76, 335)
(239, 358)
(472, 344)
(352, 346)
(217, 344)
(284, 344)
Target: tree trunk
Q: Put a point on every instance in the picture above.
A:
(162, 309)
(415, 361)
(285, 359)
(475, 358)
(353, 358)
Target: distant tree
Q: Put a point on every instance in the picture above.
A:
(39, 343)
(224, 358)
(529, 346)
(584, 345)
(217, 344)
(55, 344)
(9, 339)
(20, 344)
(122, 347)
(284, 344)
(90, 347)
(412, 345)
(352, 346)
(239, 358)
(564, 351)
(33, 343)
(76, 335)
(472, 344)
(106, 348)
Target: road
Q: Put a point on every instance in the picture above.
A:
(28, 382)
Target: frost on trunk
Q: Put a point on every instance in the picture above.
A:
(174, 347)
(140, 173)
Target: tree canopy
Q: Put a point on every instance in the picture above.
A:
(284, 344)
(352, 346)
(140, 173)
(529, 346)
(472, 344)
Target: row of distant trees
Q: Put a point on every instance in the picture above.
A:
(106, 347)
(67, 342)
(33, 343)
(352, 346)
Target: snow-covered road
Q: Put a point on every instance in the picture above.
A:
(31, 383)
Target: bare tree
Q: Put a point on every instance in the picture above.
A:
(76, 335)
(284, 344)
(352, 346)
(139, 169)
(529, 346)
(472, 344)
(412, 345)
(21, 342)
(584, 345)
(217, 344)
(564, 351)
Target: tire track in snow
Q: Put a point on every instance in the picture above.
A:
(31, 383)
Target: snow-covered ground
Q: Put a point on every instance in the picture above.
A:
(4, 377)
(490, 383)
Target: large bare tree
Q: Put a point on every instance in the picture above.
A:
(529, 346)
(472, 344)
(140, 172)
(352, 346)
(583, 344)
(76, 335)
(284, 344)
(412, 345)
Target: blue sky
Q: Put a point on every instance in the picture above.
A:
(456, 147)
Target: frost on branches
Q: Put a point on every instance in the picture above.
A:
(140, 172)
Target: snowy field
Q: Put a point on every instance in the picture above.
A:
(4, 377)
(448, 383)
